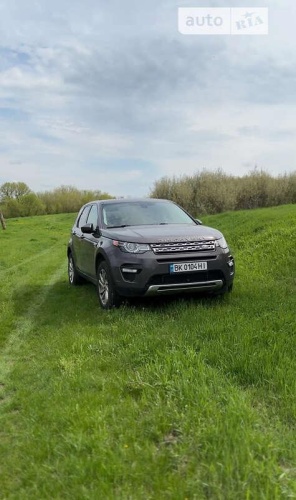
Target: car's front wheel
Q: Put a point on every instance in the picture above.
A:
(108, 296)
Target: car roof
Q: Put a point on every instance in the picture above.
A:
(128, 200)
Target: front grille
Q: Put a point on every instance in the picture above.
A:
(183, 246)
(175, 279)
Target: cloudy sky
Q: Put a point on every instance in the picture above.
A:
(107, 94)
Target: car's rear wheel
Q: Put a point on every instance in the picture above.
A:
(73, 275)
(108, 296)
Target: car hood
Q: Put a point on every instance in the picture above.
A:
(162, 233)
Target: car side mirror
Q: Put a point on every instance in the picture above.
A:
(87, 229)
(198, 221)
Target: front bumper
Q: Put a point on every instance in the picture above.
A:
(198, 286)
(149, 274)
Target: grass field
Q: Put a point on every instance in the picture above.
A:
(183, 398)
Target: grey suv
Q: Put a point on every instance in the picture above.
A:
(146, 247)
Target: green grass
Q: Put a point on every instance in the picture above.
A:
(173, 399)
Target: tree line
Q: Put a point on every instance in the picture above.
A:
(18, 200)
(215, 192)
(204, 192)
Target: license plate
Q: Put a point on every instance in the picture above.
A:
(188, 267)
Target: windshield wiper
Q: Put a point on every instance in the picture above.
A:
(116, 227)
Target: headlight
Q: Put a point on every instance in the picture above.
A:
(131, 247)
(222, 243)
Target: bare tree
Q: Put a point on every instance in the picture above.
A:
(2, 221)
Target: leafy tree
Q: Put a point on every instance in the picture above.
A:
(17, 200)
(13, 190)
(11, 208)
(31, 205)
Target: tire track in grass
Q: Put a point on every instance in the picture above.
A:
(27, 261)
(23, 327)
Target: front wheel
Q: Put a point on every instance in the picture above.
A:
(224, 291)
(108, 296)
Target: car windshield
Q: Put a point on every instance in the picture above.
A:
(143, 213)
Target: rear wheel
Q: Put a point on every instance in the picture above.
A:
(73, 275)
(108, 296)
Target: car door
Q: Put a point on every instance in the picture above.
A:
(78, 238)
(89, 244)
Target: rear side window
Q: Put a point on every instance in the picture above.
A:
(83, 217)
(93, 216)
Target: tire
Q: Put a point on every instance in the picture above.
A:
(224, 291)
(108, 296)
(73, 276)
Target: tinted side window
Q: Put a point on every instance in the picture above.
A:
(83, 217)
(93, 216)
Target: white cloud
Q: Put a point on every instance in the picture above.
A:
(88, 90)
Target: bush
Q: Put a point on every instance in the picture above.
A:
(17, 200)
(214, 192)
